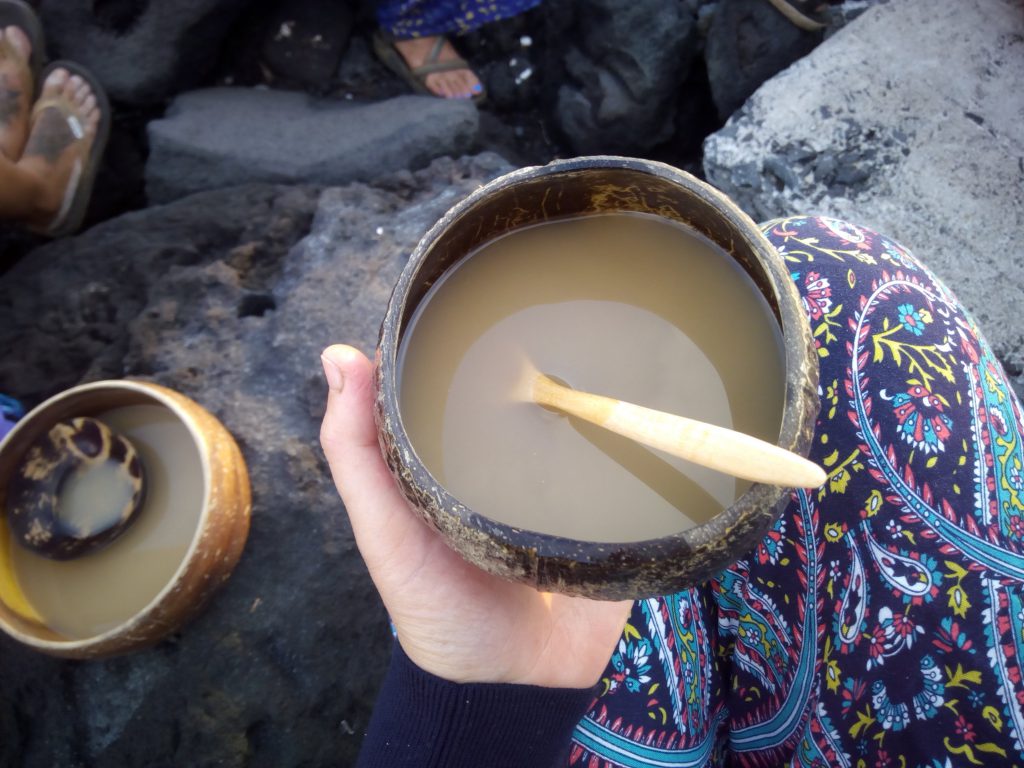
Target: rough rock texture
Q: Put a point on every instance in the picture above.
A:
(142, 51)
(205, 296)
(924, 142)
(623, 62)
(303, 42)
(220, 137)
(748, 42)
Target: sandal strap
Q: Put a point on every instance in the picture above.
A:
(74, 179)
(435, 50)
(56, 102)
(796, 17)
(70, 190)
(62, 106)
(439, 66)
(431, 64)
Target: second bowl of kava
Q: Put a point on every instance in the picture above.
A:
(159, 572)
(623, 277)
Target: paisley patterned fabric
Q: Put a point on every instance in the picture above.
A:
(881, 622)
(403, 19)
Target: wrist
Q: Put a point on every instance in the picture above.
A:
(421, 719)
(452, 663)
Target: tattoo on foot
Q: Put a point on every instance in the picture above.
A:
(10, 103)
(50, 136)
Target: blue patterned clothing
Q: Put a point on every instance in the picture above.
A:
(10, 411)
(403, 19)
(881, 622)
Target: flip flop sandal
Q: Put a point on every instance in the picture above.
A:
(796, 16)
(15, 13)
(416, 77)
(79, 187)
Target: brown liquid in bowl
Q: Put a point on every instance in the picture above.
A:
(626, 305)
(92, 594)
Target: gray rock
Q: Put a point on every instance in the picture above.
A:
(143, 52)
(212, 296)
(924, 143)
(624, 60)
(220, 137)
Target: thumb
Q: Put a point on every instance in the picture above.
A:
(348, 435)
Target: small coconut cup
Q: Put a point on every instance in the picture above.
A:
(214, 549)
(581, 187)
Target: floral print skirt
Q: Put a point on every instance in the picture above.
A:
(881, 621)
(404, 19)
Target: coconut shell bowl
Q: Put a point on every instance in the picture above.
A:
(595, 569)
(156, 541)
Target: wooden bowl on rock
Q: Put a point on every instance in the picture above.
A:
(209, 552)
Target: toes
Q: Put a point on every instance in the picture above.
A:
(459, 84)
(55, 82)
(82, 96)
(93, 118)
(90, 111)
(450, 91)
(439, 85)
(71, 86)
(446, 91)
(466, 81)
(455, 85)
(17, 38)
(76, 89)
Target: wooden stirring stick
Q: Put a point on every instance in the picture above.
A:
(725, 450)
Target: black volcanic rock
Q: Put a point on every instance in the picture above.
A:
(141, 50)
(750, 41)
(623, 61)
(228, 297)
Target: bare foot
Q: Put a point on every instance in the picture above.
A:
(15, 91)
(58, 145)
(450, 84)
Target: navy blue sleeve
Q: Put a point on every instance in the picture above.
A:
(423, 721)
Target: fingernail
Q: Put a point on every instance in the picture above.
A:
(335, 378)
(477, 88)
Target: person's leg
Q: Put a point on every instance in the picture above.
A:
(662, 697)
(882, 621)
(21, 192)
(15, 91)
(33, 189)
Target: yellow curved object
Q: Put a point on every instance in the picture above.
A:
(10, 590)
